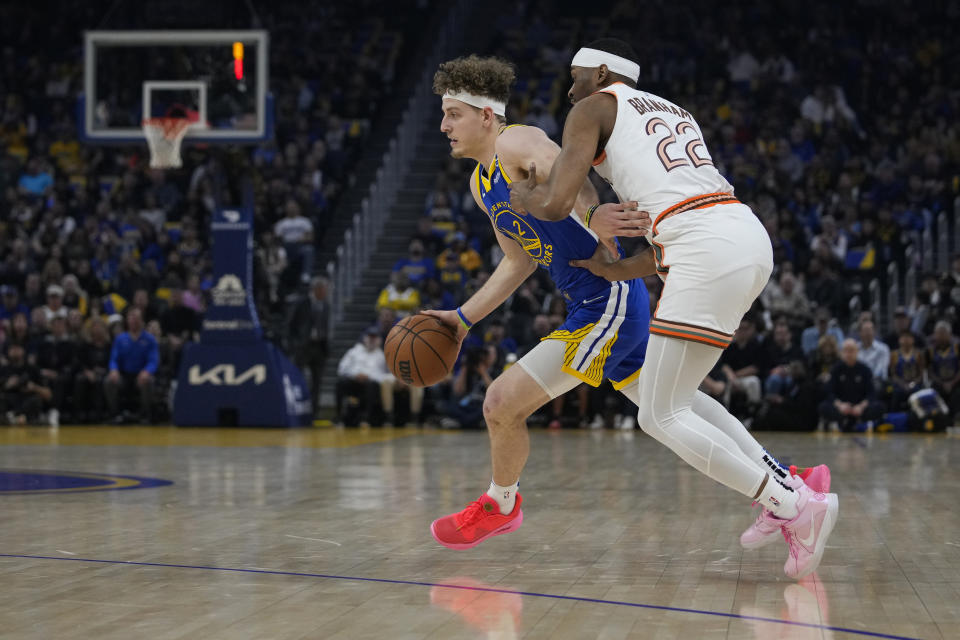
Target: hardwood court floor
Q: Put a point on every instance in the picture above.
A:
(324, 534)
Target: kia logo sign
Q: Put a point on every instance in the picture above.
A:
(226, 375)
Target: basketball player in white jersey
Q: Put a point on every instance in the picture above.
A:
(715, 258)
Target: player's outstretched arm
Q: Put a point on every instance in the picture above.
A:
(520, 147)
(505, 279)
(603, 264)
(555, 197)
(515, 267)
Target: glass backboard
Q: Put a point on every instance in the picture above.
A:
(217, 79)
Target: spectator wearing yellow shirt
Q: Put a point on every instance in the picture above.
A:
(73, 296)
(65, 150)
(468, 258)
(452, 276)
(399, 295)
(441, 214)
(13, 133)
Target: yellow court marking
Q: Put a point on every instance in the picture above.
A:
(200, 436)
(114, 482)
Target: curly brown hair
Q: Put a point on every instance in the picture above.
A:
(488, 77)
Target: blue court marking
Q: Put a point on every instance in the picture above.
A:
(531, 594)
(32, 481)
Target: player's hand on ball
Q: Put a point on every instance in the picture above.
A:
(421, 349)
(448, 317)
(520, 191)
(597, 264)
(620, 219)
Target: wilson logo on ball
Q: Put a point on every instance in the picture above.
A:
(403, 367)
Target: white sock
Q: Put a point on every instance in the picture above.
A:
(506, 497)
(779, 498)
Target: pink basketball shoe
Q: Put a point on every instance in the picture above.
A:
(766, 527)
(807, 534)
(817, 478)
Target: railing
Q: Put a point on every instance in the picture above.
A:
(956, 227)
(928, 256)
(854, 306)
(910, 275)
(926, 250)
(943, 243)
(873, 290)
(893, 292)
(353, 255)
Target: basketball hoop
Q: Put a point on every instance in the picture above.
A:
(164, 135)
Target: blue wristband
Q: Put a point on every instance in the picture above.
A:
(466, 323)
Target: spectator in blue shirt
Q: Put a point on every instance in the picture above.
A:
(10, 304)
(133, 365)
(417, 267)
(822, 324)
(36, 181)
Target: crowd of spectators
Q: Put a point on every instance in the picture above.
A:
(105, 263)
(835, 122)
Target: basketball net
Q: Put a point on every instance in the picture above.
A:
(164, 136)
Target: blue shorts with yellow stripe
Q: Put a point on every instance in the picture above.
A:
(606, 335)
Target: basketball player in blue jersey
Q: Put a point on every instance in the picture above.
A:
(715, 258)
(605, 332)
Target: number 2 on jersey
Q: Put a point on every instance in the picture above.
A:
(690, 148)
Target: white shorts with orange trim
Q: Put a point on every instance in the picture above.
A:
(715, 262)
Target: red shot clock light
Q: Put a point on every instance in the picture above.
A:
(238, 60)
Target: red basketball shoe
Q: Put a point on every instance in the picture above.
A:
(480, 520)
(817, 478)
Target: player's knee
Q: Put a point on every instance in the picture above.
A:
(650, 420)
(497, 406)
(493, 405)
(645, 418)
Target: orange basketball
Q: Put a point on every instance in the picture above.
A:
(421, 350)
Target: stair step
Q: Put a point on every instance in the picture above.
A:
(392, 249)
(378, 273)
(400, 225)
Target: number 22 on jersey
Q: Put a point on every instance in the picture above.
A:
(690, 149)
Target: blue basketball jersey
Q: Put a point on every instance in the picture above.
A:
(607, 323)
(551, 244)
(945, 363)
(907, 367)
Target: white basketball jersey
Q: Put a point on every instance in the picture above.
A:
(656, 154)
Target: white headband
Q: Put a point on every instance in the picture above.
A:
(592, 58)
(499, 108)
